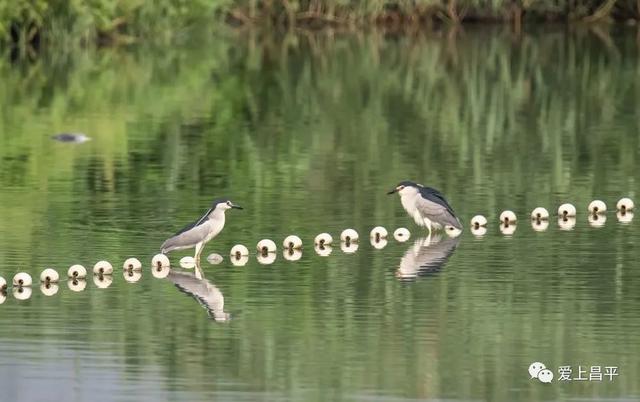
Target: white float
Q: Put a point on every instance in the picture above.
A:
(3, 283)
(22, 279)
(215, 259)
(266, 246)
(266, 259)
(597, 220)
(539, 225)
(379, 244)
(540, 213)
(378, 233)
(239, 260)
(508, 230)
(77, 285)
(566, 223)
(160, 272)
(478, 221)
(597, 207)
(323, 250)
(49, 288)
(292, 242)
(103, 268)
(625, 204)
(160, 260)
(452, 231)
(77, 271)
(104, 281)
(22, 293)
(132, 263)
(49, 275)
(478, 231)
(349, 235)
(323, 239)
(188, 262)
(349, 247)
(238, 251)
(401, 234)
(567, 210)
(624, 217)
(292, 254)
(131, 275)
(508, 217)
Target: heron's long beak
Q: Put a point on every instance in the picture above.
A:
(236, 206)
(395, 190)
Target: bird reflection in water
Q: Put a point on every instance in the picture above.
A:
(426, 256)
(205, 292)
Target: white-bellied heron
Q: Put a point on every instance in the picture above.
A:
(198, 233)
(428, 207)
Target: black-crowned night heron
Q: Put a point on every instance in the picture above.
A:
(201, 231)
(427, 206)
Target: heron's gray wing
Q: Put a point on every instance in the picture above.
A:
(188, 236)
(436, 196)
(196, 223)
(431, 204)
(203, 291)
(186, 239)
(423, 259)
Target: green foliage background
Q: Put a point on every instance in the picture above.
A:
(66, 22)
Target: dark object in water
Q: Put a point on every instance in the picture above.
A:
(71, 137)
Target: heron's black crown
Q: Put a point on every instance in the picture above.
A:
(217, 201)
(409, 183)
(430, 194)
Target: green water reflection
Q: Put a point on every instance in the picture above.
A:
(308, 132)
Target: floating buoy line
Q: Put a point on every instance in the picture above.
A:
(292, 247)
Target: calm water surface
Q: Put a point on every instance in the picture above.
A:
(308, 133)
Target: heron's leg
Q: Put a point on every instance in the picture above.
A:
(198, 272)
(199, 248)
(427, 223)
